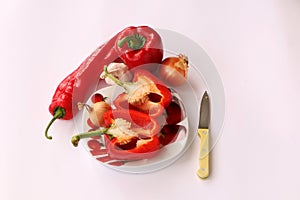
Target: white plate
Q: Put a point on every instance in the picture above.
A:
(202, 76)
(96, 146)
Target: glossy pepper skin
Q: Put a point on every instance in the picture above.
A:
(145, 93)
(132, 150)
(78, 85)
(139, 45)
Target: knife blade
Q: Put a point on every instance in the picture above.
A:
(203, 132)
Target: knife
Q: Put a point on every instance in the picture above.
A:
(203, 132)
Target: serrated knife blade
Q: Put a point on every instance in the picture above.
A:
(203, 132)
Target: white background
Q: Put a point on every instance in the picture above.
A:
(255, 46)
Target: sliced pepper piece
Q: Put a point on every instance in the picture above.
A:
(136, 149)
(169, 133)
(129, 135)
(141, 123)
(145, 93)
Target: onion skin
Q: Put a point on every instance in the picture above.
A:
(97, 112)
(173, 70)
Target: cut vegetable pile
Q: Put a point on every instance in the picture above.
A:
(144, 117)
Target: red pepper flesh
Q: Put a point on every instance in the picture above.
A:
(139, 120)
(169, 133)
(174, 113)
(144, 151)
(132, 150)
(157, 98)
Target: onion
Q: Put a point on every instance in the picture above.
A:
(96, 112)
(173, 70)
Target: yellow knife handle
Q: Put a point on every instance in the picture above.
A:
(203, 171)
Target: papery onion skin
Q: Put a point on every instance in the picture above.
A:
(173, 70)
(96, 112)
(96, 115)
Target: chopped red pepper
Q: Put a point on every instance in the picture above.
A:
(169, 133)
(139, 45)
(134, 150)
(130, 135)
(146, 93)
(174, 113)
(141, 123)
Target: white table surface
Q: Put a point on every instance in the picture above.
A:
(255, 46)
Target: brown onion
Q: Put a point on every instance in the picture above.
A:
(96, 112)
(173, 70)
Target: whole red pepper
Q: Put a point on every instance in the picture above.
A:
(146, 93)
(129, 135)
(78, 85)
(139, 45)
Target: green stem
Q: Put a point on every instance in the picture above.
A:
(112, 77)
(130, 87)
(58, 113)
(135, 41)
(76, 138)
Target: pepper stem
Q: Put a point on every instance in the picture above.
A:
(76, 138)
(112, 77)
(135, 41)
(128, 86)
(58, 113)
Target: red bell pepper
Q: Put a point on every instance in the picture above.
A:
(146, 93)
(129, 135)
(139, 45)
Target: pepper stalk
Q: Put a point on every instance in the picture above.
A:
(76, 138)
(58, 113)
(128, 86)
(135, 41)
